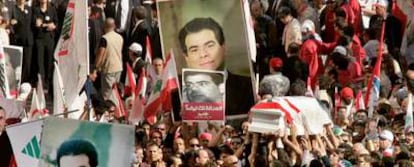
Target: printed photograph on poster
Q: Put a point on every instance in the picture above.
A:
(4, 86)
(203, 95)
(210, 35)
(13, 108)
(82, 143)
(14, 60)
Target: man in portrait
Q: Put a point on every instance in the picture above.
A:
(77, 153)
(203, 43)
(202, 87)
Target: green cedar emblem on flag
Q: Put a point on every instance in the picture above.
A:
(32, 148)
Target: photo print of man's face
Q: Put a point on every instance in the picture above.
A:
(202, 41)
(202, 87)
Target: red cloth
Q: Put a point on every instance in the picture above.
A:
(399, 14)
(357, 50)
(205, 136)
(309, 54)
(350, 16)
(347, 93)
(330, 33)
(356, 9)
(351, 75)
(276, 62)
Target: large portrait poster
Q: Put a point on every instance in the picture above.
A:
(67, 142)
(203, 95)
(210, 35)
(14, 60)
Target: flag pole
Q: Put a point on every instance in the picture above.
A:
(377, 67)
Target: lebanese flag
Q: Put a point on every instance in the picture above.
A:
(359, 102)
(150, 72)
(59, 93)
(304, 112)
(116, 98)
(36, 111)
(372, 96)
(148, 53)
(40, 92)
(399, 14)
(408, 125)
(170, 81)
(130, 81)
(141, 89)
(138, 105)
(160, 98)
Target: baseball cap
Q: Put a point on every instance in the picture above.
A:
(276, 62)
(205, 136)
(341, 50)
(347, 92)
(135, 47)
(387, 135)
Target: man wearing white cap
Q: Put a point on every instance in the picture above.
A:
(386, 139)
(135, 53)
(393, 26)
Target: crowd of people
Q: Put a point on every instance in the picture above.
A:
(321, 48)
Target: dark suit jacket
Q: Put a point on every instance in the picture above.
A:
(22, 31)
(279, 50)
(239, 94)
(273, 12)
(110, 9)
(95, 35)
(138, 34)
(6, 149)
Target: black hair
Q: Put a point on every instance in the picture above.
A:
(362, 111)
(139, 12)
(372, 34)
(340, 60)
(344, 40)
(411, 67)
(197, 25)
(283, 12)
(340, 13)
(294, 48)
(349, 31)
(78, 147)
(108, 104)
(316, 163)
(97, 1)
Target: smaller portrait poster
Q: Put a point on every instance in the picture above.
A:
(67, 142)
(14, 60)
(203, 95)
